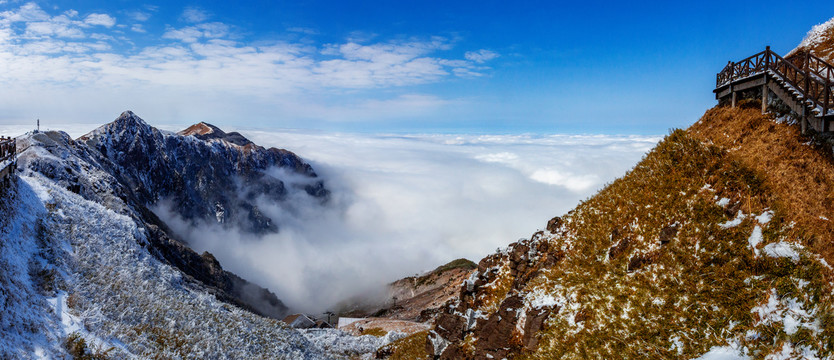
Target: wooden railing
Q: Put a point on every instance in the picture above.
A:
(8, 148)
(807, 74)
(8, 163)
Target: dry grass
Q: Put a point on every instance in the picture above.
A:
(697, 291)
(800, 176)
(412, 347)
(378, 332)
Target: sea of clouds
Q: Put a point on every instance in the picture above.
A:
(404, 204)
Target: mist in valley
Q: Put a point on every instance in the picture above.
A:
(402, 205)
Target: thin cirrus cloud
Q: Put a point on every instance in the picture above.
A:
(194, 15)
(72, 56)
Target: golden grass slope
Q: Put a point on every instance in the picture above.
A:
(702, 289)
(799, 173)
(706, 287)
(676, 258)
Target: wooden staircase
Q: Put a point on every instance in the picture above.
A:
(802, 81)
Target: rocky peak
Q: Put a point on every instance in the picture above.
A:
(200, 128)
(206, 131)
(217, 178)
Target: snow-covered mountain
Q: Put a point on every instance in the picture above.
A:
(84, 258)
(85, 267)
(202, 172)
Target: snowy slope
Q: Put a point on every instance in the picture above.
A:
(82, 266)
(27, 326)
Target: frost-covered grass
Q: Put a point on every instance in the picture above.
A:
(76, 269)
(412, 347)
(820, 40)
(28, 329)
(139, 306)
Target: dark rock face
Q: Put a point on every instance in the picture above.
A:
(206, 175)
(496, 334)
(668, 233)
(620, 247)
(462, 332)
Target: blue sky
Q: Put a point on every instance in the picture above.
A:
(384, 66)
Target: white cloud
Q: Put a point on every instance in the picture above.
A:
(194, 15)
(100, 19)
(27, 12)
(303, 30)
(140, 16)
(407, 203)
(57, 27)
(207, 66)
(480, 56)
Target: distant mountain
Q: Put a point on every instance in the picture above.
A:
(204, 173)
(414, 298)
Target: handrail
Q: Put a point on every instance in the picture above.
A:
(809, 75)
(8, 148)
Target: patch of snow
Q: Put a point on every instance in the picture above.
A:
(783, 249)
(788, 311)
(539, 298)
(755, 239)
(765, 217)
(723, 202)
(723, 353)
(734, 222)
(339, 343)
